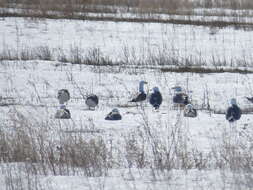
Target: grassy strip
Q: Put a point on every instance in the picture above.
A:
(145, 20)
(205, 70)
(95, 57)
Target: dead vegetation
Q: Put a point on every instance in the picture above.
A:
(94, 57)
(28, 150)
(144, 10)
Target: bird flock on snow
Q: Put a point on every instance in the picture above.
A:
(180, 100)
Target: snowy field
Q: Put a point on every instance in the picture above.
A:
(32, 87)
(144, 150)
(121, 41)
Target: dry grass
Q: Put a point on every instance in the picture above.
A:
(32, 147)
(71, 9)
(206, 70)
(94, 57)
(150, 19)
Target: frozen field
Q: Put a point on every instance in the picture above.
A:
(146, 149)
(34, 84)
(122, 40)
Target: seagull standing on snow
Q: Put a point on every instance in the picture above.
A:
(113, 115)
(142, 95)
(180, 97)
(190, 111)
(92, 101)
(250, 99)
(63, 96)
(233, 112)
(63, 113)
(156, 98)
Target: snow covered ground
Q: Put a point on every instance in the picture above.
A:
(122, 40)
(33, 85)
(30, 89)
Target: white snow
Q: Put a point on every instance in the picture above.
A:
(33, 86)
(116, 40)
